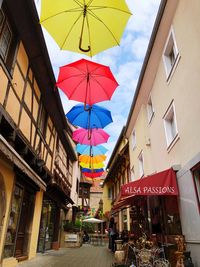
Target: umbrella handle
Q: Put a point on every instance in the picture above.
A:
(82, 49)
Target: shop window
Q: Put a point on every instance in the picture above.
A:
(110, 193)
(196, 175)
(8, 41)
(9, 247)
(170, 54)
(141, 164)
(150, 110)
(170, 124)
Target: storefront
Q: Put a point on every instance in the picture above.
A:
(153, 208)
(20, 219)
(47, 225)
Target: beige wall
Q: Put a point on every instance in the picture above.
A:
(182, 88)
(106, 201)
(35, 224)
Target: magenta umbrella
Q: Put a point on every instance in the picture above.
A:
(96, 136)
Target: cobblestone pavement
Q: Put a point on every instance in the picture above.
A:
(85, 256)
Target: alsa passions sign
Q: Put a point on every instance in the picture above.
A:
(162, 183)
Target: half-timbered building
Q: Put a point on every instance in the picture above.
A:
(36, 151)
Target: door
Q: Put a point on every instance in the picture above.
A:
(24, 226)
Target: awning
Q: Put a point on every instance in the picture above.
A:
(158, 184)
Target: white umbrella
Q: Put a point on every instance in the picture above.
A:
(93, 220)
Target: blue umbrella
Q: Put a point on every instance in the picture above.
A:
(94, 117)
(91, 170)
(91, 150)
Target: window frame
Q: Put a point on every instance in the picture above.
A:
(8, 62)
(168, 126)
(133, 139)
(141, 163)
(170, 46)
(197, 192)
(150, 116)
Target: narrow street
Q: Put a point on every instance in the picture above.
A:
(85, 256)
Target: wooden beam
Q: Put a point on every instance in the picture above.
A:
(15, 158)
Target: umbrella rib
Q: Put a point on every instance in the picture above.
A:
(72, 76)
(97, 18)
(109, 7)
(92, 77)
(65, 11)
(77, 87)
(71, 30)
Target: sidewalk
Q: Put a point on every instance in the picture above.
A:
(85, 256)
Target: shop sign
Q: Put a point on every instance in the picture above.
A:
(162, 183)
(71, 237)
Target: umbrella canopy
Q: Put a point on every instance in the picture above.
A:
(92, 166)
(92, 160)
(91, 150)
(97, 136)
(93, 175)
(86, 81)
(92, 170)
(94, 117)
(93, 220)
(85, 26)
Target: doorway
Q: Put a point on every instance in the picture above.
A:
(20, 223)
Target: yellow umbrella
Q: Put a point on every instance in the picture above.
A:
(92, 160)
(85, 26)
(91, 166)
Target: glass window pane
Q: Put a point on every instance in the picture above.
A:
(13, 223)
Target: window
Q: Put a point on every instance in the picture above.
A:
(110, 193)
(141, 164)
(196, 175)
(77, 185)
(171, 54)
(134, 139)
(132, 174)
(8, 41)
(170, 124)
(150, 110)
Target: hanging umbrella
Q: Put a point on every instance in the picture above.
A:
(97, 136)
(94, 117)
(93, 175)
(86, 81)
(91, 150)
(85, 26)
(93, 220)
(93, 159)
(92, 170)
(92, 166)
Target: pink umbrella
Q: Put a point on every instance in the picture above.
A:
(97, 136)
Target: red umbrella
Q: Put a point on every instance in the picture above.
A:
(86, 81)
(97, 136)
(93, 174)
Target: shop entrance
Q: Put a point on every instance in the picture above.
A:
(47, 225)
(20, 222)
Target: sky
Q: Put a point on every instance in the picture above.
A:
(125, 62)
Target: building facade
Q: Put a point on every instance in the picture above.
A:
(37, 156)
(163, 127)
(118, 173)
